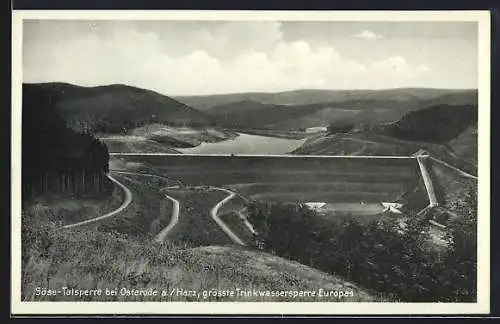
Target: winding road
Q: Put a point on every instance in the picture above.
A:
(160, 237)
(126, 202)
(219, 222)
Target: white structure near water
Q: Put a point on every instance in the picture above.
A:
(316, 129)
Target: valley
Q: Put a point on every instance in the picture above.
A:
(243, 175)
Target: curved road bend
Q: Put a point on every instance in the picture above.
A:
(246, 222)
(126, 202)
(160, 237)
(219, 222)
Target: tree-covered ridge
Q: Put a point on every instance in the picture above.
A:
(435, 124)
(117, 108)
(55, 158)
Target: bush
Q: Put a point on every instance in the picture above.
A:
(394, 259)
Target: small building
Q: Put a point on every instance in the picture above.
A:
(316, 129)
(392, 207)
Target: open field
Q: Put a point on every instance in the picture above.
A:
(68, 209)
(149, 211)
(196, 226)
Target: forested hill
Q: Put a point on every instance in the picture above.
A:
(55, 158)
(438, 124)
(115, 108)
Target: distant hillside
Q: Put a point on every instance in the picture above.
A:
(113, 108)
(436, 124)
(447, 132)
(253, 114)
(366, 143)
(306, 96)
(363, 110)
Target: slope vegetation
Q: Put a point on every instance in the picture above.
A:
(113, 108)
(55, 158)
(312, 96)
(465, 145)
(84, 258)
(435, 124)
(438, 129)
(367, 110)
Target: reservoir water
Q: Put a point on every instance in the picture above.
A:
(247, 144)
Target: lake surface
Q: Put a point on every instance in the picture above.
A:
(247, 144)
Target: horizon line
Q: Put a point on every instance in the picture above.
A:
(252, 92)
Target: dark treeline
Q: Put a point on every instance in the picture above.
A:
(398, 261)
(55, 158)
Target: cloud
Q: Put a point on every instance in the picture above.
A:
(423, 68)
(369, 35)
(220, 60)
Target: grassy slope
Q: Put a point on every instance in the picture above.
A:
(466, 144)
(128, 144)
(149, 211)
(185, 136)
(157, 138)
(196, 225)
(85, 259)
(121, 256)
(68, 209)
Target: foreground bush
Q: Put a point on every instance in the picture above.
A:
(395, 259)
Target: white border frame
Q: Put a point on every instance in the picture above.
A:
(272, 308)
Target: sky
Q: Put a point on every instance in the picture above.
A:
(214, 57)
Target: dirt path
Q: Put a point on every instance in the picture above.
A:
(126, 202)
(461, 172)
(219, 222)
(160, 237)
